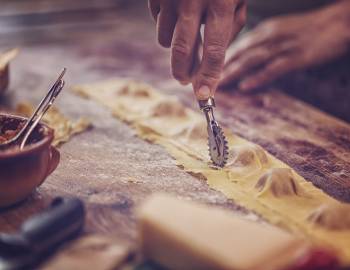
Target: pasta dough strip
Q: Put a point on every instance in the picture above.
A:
(252, 178)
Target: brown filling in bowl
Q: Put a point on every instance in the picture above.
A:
(10, 127)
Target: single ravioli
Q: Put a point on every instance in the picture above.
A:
(332, 216)
(107, 92)
(170, 107)
(279, 182)
(136, 90)
(128, 100)
(134, 101)
(247, 155)
(245, 160)
(177, 117)
(196, 132)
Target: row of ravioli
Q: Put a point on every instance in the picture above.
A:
(150, 108)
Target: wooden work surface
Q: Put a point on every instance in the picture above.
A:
(111, 169)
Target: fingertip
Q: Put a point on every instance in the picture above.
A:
(164, 32)
(180, 76)
(184, 82)
(203, 93)
(164, 41)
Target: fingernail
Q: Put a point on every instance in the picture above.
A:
(203, 92)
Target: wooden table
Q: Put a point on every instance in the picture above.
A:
(111, 169)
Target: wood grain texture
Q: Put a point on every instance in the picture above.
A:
(112, 170)
(316, 145)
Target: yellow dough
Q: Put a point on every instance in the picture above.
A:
(332, 216)
(169, 108)
(7, 57)
(64, 127)
(252, 178)
(279, 182)
(247, 155)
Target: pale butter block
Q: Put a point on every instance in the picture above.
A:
(184, 235)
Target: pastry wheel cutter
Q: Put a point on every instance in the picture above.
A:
(218, 146)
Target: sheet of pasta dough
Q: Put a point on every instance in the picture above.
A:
(252, 177)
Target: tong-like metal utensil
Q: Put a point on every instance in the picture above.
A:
(23, 135)
(218, 146)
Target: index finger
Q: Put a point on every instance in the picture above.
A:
(219, 28)
(185, 40)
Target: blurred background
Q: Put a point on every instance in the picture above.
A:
(120, 27)
(35, 21)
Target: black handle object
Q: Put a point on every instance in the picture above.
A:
(63, 219)
(41, 234)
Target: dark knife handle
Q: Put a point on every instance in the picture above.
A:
(62, 220)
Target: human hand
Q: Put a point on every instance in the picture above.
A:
(178, 27)
(287, 43)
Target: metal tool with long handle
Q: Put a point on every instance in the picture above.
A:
(218, 146)
(23, 135)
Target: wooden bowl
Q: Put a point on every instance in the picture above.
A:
(21, 171)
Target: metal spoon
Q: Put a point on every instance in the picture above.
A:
(23, 135)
